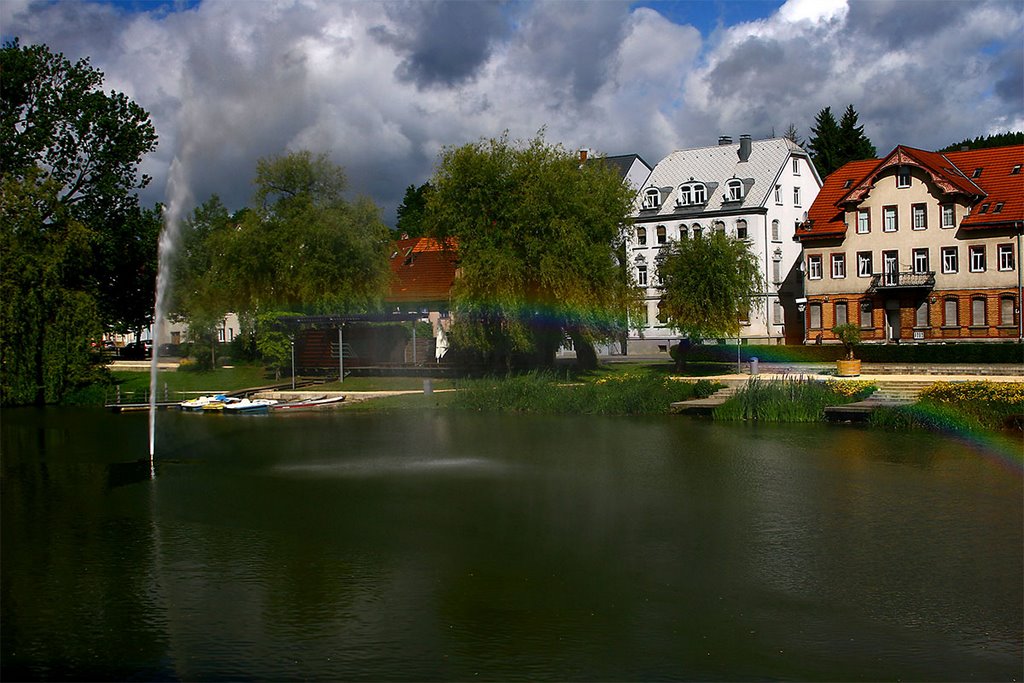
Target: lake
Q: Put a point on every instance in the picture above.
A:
(455, 546)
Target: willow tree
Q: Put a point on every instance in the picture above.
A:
(539, 242)
(709, 283)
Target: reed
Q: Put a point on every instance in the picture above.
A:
(633, 393)
(792, 399)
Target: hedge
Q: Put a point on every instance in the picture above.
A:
(965, 352)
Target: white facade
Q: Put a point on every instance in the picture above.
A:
(757, 190)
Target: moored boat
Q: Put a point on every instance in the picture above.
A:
(250, 406)
(310, 403)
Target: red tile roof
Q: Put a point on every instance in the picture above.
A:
(952, 172)
(422, 271)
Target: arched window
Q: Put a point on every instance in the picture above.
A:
(692, 193)
(652, 198)
(662, 236)
(734, 190)
(741, 229)
(775, 230)
(1007, 308)
(700, 194)
(684, 195)
(641, 237)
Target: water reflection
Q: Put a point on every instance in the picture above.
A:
(417, 547)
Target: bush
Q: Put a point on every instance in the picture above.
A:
(635, 393)
(964, 352)
(788, 400)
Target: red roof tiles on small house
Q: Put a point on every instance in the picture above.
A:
(989, 179)
(422, 271)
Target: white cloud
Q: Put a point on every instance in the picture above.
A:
(376, 87)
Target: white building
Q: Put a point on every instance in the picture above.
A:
(756, 190)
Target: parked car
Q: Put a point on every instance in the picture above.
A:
(106, 348)
(169, 350)
(138, 350)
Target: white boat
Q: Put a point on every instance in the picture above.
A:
(255, 405)
(197, 404)
(310, 403)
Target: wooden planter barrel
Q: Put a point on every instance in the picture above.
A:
(848, 368)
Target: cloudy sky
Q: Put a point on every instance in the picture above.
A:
(383, 86)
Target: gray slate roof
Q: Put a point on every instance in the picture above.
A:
(714, 166)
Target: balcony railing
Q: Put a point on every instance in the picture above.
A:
(906, 280)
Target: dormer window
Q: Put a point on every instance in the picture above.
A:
(977, 172)
(984, 208)
(1015, 170)
(692, 193)
(652, 198)
(734, 190)
(903, 177)
(848, 184)
(999, 208)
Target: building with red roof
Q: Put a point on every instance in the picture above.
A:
(917, 246)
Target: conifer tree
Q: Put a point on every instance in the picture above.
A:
(825, 142)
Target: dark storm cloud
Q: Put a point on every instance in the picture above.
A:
(895, 23)
(1008, 75)
(445, 42)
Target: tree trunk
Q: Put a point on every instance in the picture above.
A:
(586, 355)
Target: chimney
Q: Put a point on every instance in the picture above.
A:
(584, 153)
(724, 140)
(744, 150)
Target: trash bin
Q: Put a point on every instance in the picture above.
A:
(428, 386)
(753, 365)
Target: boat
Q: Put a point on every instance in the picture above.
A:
(250, 406)
(310, 403)
(197, 404)
(219, 402)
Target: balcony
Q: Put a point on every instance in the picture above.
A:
(906, 280)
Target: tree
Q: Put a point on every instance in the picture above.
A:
(73, 233)
(985, 142)
(853, 143)
(538, 240)
(793, 135)
(410, 212)
(824, 143)
(834, 144)
(707, 283)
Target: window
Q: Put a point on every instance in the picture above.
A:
(692, 193)
(1006, 310)
(741, 229)
(919, 213)
(778, 194)
(652, 198)
(889, 219)
(841, 315)
(984, 208)
(735, 188)
(641, 236)
(999, 208)
(1005, 252)
(838, 266)
(864, 266)
(977, 254)
(949, 313)
(867, 312)
(921, 315)
(778, 315)
(977, 311)
(814, 315)
(977, 172)
(1015, 170)
(796, 196)
(697, 232)
(661, 235)
(641, 275)
(950, 260)
(777, 271)
(775, 231)
(863, 221)
(948, 216)
(903, 177)
(891, 267)
(684, 195)
(814, 267)
(700, 194)
(921, 261)
(718, 226)
(796, 166)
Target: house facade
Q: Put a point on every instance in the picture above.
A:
(918, 246)
(756, 190)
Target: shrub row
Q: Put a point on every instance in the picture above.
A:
(959, 407)
(635, 393)
(966, 352)
(789, 400)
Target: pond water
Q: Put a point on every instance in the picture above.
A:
(440, 546)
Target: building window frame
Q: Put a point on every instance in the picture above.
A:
(950, 312)
(735, 190)
(741, 229)
(1007, 310)
(778, 195)
(919, 216)
(838, 266)
(902, 178)
(866, 313)
(920, 260)
(948, 216)
(865, 266)
(796, 196)
(652, 198)
(950, 260)
(976, 254)
(979, 312)
(814, 267)
(922, 314)
(814, 316)
(863, 221)
(890, 219)
(841, 313)
(641, 236)
(661, 234)
(775, 231)
(641, 276)
(1005, 256)
(796, 166)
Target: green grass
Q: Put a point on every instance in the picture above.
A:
(632, 392)
(135, 385)
(785, 400)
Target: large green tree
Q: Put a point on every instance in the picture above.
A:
(834, 144)
(68, 162)
(539, 247)
(409, 221)
(708, 284)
